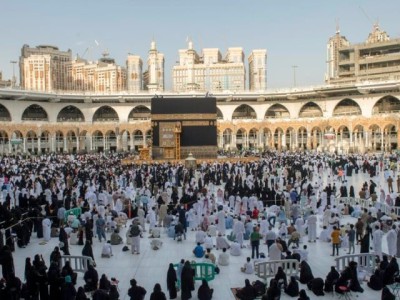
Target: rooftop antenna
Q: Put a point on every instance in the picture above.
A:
(337, 26)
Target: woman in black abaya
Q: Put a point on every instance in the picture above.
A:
(187, 281)
(171, 281)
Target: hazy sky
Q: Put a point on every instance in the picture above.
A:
(293, 32)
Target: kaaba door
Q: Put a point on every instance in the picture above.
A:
(169, 153)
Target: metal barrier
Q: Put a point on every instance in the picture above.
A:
(266, 269)
(78, 263)
(366, 261)
(202, 271)
(74, 211)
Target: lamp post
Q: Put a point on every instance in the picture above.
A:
(13, 62)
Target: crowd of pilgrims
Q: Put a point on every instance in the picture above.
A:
(37, 191)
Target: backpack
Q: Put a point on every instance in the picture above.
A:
(135, 230)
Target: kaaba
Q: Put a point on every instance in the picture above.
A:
(182, 126)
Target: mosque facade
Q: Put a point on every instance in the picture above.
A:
(104, 107)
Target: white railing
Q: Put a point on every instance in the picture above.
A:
(266, 269)
(78, 263)
(366, 261)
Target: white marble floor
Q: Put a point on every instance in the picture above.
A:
(150, 266)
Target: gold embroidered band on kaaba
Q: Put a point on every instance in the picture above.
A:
(159, 117)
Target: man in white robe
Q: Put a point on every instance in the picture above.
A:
(221, 242)
(299, 224)
(221, 227)
(151, 218)
(238, 230)
(391, 239)
(200, 236)
(46, 224)
(377, 241)
(312, 227)
(236, 249)
(275, 251)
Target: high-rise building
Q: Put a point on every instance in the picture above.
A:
(335, 43)
(103, 76)
(209, 72)
(377, 59)
(258, 70)
(155, 65)
(44, 68)
(134, 67)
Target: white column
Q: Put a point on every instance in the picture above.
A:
(39, 146)
(65, 145)
(131, 137)
(91, 142)
(24, 146)
(104, 143)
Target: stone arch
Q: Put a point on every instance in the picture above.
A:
(302, 137)
(4, 113)
(241, 138)
(71, 142)
(316, 137)
(59, 141)
(85, 141)
(267, 138)
(98, 141)
(125, 140)
(244, 111)
(253, 138)
(290, 138)
(17, 141)
(45, 141)
(344, 131)
(138, 138)
(4, 140)
(278, 136)
(310, 110)
(390, 137)
(110, 141)
(385, 105)
(358, 139)
(149, 136)
(220, 115)
(70, 113)
(105, 114)
(34, 112)
(376, 137)
(227, 138)
(3, 135)
(347, 107)
(31, 143)
(139, 112)
(277, 111)
(17, 135)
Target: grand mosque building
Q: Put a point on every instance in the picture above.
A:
(66, 104)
